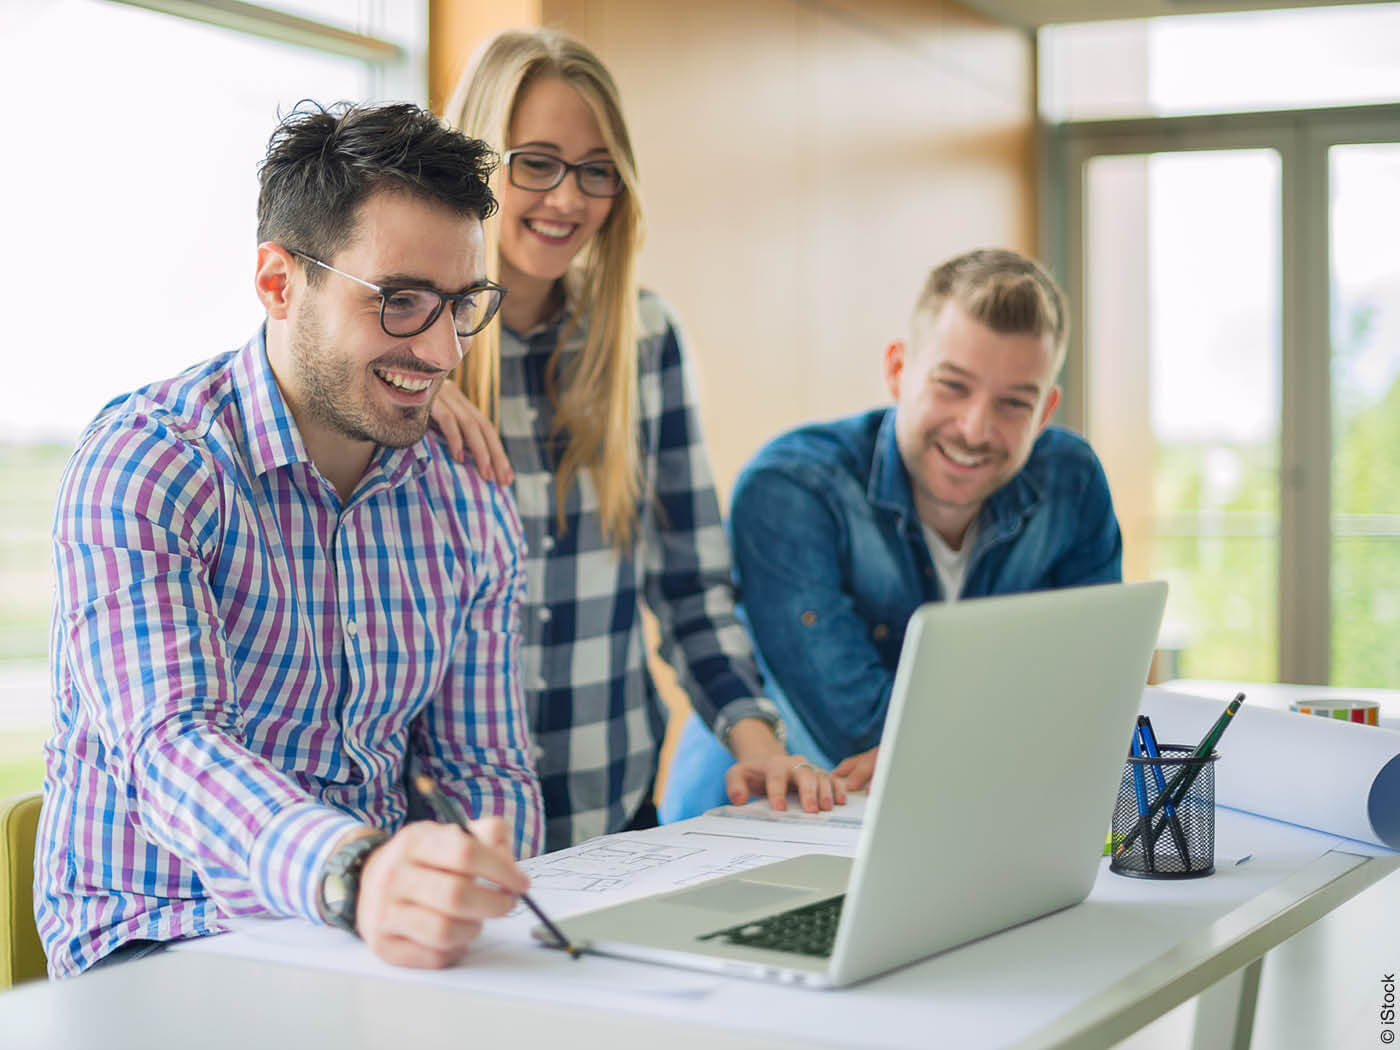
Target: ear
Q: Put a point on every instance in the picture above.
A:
(894, 366)
(272, 280)
(1052, 401)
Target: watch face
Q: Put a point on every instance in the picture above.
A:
(335, 892)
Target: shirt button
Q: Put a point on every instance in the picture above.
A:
(809, 618)
(536, 752)
(351, 628)
(881, 632)
(547, 543)
(545, 615)
(539, 682)
(532, 413)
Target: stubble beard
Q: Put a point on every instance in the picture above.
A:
(329, 383)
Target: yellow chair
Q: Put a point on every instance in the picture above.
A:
(21, 953)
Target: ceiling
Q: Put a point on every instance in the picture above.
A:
(1032, 13)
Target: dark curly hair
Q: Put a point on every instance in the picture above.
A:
(322, 162)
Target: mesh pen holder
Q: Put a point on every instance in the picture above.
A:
(1180, 843)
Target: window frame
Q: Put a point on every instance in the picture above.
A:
(1302, 139)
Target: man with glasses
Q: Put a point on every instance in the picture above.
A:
(277, 594)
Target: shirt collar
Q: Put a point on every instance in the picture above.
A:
(270, 431)
(271, 434)
(889, 487)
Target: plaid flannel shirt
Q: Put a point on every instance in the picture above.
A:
(242, 665)
(595, 716)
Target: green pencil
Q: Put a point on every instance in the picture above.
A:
(1181, 783)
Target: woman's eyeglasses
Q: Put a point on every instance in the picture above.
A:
(528, 170)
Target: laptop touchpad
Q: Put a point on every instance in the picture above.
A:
(737, 895)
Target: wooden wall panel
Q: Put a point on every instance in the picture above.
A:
(456, 27)
(803, 166)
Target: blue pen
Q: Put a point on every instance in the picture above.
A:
(1140, 786)
(1149, 746)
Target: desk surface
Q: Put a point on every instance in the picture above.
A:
(1084, 977)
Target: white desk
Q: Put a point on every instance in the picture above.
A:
(1084, 977)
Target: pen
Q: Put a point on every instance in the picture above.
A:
(1182, 781)
(1140, 788)
(1149, 747)
(427, 787)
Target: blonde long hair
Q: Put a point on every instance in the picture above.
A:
(596, 403)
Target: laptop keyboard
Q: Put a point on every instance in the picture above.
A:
(808, 930)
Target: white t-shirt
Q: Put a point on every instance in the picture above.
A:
(951, 564)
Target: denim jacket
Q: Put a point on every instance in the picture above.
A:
(831, 561)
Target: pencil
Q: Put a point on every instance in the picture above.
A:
(1182, 781)
(427, 787)
(1149, 748)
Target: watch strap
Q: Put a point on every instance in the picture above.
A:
(340, 879)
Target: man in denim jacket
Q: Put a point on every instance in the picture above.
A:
(841, 530)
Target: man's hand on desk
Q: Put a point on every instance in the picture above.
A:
(857, 770)
(422, 899)
(765, 768)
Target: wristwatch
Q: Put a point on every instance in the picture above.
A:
(340, 879)
(767, 712)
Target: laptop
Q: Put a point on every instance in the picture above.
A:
(999, 766)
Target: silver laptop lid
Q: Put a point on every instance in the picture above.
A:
(1008, 724)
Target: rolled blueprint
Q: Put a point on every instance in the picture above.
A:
(1334, 776)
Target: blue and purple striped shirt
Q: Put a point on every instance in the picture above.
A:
(243, 664)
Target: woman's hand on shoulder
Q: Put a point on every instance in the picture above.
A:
(468, 432)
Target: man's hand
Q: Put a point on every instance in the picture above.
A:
(857, 770)
(468, 432)
(765, 767)
(421, 899)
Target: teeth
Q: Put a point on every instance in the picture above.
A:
(403, 382)
(962, 459)
(549, 229)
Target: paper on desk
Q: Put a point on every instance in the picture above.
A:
(1334, 776)
(609, 870)
(852, 814)
(593, 874)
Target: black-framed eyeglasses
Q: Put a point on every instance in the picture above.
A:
(408, 311)
(529, 170)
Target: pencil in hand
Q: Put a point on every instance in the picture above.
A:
(427, 787)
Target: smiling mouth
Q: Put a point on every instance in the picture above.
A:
(408, 382)
(962, 457)
(554, 231)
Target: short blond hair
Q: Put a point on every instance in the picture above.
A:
(1002, 289)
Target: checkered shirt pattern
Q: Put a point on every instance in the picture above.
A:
(595, 716)
(242, 664)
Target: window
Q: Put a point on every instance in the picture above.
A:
(1221, 63)
(1237, 364)
(131, 189)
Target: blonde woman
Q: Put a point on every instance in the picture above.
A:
(585, 383)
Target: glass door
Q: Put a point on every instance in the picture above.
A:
(1181, 316)
(1364, 294)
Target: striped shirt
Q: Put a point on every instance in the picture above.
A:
(595, 716)
(242, 663)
